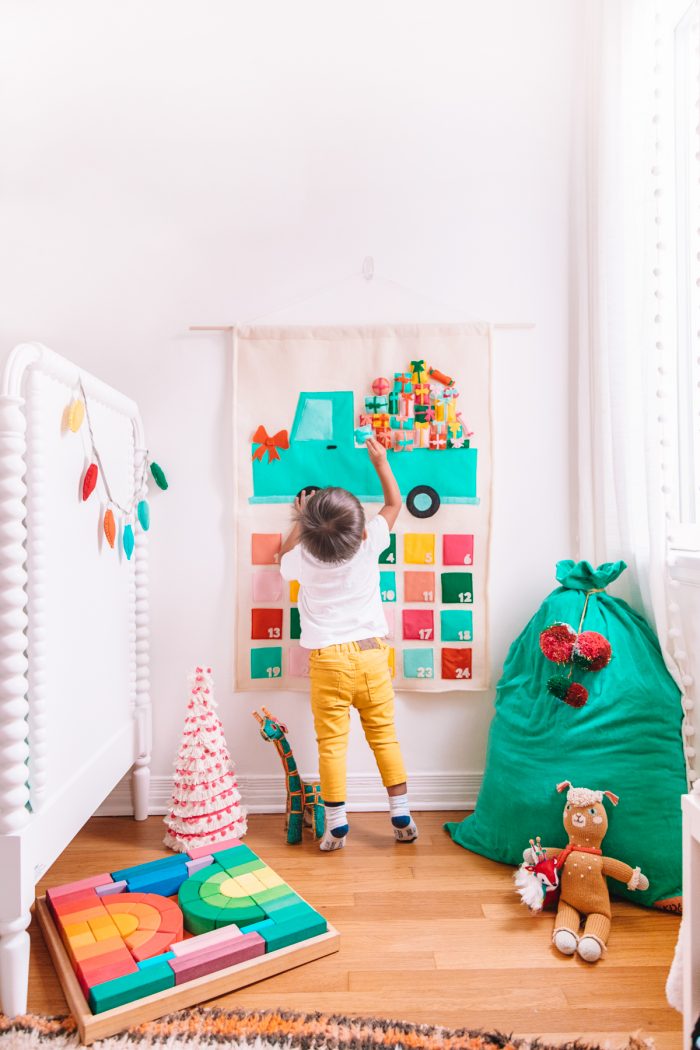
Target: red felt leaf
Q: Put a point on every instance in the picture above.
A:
(89, 481)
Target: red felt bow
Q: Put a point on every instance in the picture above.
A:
(269, 444)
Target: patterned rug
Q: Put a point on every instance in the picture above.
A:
(271, 1030)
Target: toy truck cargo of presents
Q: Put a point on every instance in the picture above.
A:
(414, 416)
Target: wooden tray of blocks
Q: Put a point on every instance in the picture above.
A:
(135, 944)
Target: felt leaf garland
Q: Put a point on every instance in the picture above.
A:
(144, 515)
(89, 481)
(159, 476)
(128, 541)
(76, 415)
(109, 526)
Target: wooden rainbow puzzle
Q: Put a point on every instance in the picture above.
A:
(134, 944)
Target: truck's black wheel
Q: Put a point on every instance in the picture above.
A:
(309, 490)
(422, 501)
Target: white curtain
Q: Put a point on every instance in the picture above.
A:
(623, 306)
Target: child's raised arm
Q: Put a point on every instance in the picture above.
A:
(390, 488)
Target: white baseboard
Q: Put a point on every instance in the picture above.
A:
(264, 793)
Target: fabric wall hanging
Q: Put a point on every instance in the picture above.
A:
(304, 400)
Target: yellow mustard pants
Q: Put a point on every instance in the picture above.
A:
(345, 676)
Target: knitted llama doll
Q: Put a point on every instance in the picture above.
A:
(583, 870)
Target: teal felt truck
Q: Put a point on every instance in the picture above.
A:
(322, 451)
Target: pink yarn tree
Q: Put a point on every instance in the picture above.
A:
(205, 807)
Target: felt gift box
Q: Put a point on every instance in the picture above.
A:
(419, 372)
(440, 407)
(421, 414)
(376, 404)
(455, 436)
(437, 439)
(361, 434)
(385, 437)
(406, 406)
(421, 393)
(395, 422)
(402, 382)
(394, 403)
(365, 420)
(404, 442)
(381, 421)
(421, 435)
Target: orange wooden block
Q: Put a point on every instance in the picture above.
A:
(98, 948)
(82, 916)
(106, 973)
(172, 923)
(126, 923)
(72, 929)
(137, 938)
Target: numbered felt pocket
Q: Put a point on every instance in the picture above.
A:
(456, 588)
(265, 548)
(418, 625)
(388, 555)
(298, 661)
(457, 549)
(419, 586)
(267, 586)
(418, 663)
(266, 623)
(387, 586)
(294, 624)
(456, 625)
(456, 663)
(391, 657)
(294, 591)
(267, 662)
(419, 548)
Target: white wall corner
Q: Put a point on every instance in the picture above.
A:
(265, 793)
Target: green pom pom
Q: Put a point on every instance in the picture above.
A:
(558, 685)
(159, 476)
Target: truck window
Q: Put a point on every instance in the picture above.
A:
(316, 422)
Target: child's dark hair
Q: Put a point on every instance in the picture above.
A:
(331, 525)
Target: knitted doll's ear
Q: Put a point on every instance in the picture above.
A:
(564, 785)
(613, 798)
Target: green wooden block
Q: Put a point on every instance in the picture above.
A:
(189, 891)
(263, 896)
(235, 856)
(214, 899)
(240, 915)
(292, 912)
(286, 933)
(278, 903)
(243, 869)
(132, 986)
(294, 623)
(457, 588)
(200, 916)
(388, 555)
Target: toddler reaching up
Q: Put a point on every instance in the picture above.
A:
(333, 553)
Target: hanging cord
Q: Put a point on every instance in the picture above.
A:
(126, 511)
(596, 590)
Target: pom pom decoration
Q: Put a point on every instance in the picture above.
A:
(76, 415)
(159, 476)
(109, 527)
(144, 515)
(381, 386)
(592, 652)
(576, 695)
(558, 685)
(128, 541)
(557, 642)
(89, 481)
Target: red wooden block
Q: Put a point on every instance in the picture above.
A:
(89, 977)
(197, 964)
(77, 901)
(171, 922)
(156, 945)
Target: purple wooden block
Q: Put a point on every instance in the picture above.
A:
(198, 864)
(197, 964)
(111, 887)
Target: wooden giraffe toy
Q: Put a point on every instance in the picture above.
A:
(304, 802)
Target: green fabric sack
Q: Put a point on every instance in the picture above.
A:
(626, 739)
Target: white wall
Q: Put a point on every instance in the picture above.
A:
(174, 163)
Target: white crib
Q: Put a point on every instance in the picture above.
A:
(75, 711)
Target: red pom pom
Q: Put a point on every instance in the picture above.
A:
(557, 642)
(576, 695)
(592, 651)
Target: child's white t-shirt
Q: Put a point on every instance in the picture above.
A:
(340, 603)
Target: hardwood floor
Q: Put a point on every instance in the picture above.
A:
(430, 933)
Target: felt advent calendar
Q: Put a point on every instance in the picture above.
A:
(305, 401)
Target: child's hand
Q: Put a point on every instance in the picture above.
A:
(300, 501)
(377, 453)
